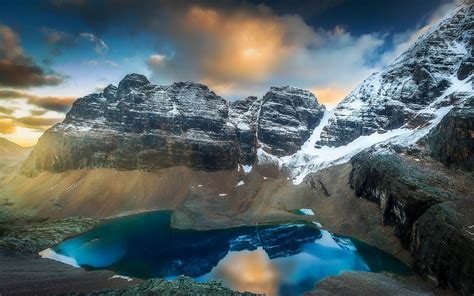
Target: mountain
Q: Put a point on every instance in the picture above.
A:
(400, 104)
(10, 149)
(11, 156)
(433, 67)
(391, 165)
(139, 125)
(11, 152)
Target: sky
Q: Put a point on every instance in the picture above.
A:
(55, 51)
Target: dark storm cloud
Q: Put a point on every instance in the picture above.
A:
(18, 69)
(305, 8)
(58, 104)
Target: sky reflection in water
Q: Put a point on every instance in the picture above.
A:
(278, 259)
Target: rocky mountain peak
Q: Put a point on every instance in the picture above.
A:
(291, 93)
(139, 125)
(131, 81)
(440, 59)
(109, 92)
(287, 118)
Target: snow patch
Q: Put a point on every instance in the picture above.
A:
(311, 159)
(51, 254)
(123, 277)
(307, 212)
(240, 183)
(247, 168)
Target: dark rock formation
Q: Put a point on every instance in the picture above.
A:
(452, 141)
(402, 190)
(369, 283)
(33, 237)
(442, 248)
(243, 114)
(430, 206)
(287, 117)
(398, 95)
(181, 286)
(147, 127)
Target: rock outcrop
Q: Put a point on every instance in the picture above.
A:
(287, 118)
(139, 125)
(33, 237)
(398, 95)
(181, 286)
(400, 188)
(442, 246)
(430, 206)
(452, 141)
(369, 283)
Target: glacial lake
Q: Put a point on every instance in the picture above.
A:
(277, 259)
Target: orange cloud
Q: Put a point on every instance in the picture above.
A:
(230, 50)
(330, 96)
(59, 104)
(7, 126)
(246, 47)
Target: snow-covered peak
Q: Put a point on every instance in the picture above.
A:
(399, 105)
(394, 97)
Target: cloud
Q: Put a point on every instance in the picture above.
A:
(243, 52)
(7, 126)
(58, 40)
(58, 104)
(238, 48)
(95, 63)
(241, 49)
(156, 60)
(18, 69)
(38, 112)
(99, 45)
(5, 110)
(330, 96)
(35, 122)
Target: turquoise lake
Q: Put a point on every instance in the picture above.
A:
(277, 259)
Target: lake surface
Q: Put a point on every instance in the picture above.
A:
(277, 259)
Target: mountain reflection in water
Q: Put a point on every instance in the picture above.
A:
(277, 259)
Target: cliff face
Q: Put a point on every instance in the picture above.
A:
(421, 179)
(452, 141)
(399, 95)
(287, 119)
(429, 203)
(138, 125)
